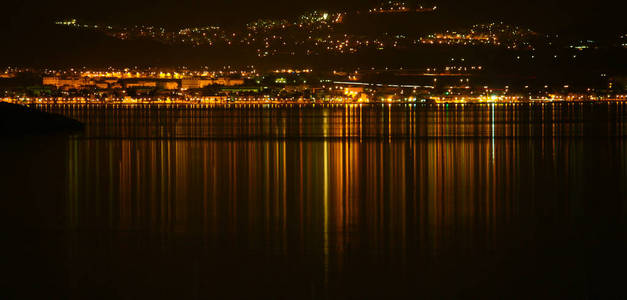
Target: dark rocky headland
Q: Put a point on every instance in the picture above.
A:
(17, 120)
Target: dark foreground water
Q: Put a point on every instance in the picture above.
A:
(277, 202)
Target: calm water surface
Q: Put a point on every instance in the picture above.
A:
(310, 202)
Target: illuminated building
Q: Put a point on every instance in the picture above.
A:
(73, 82)
(195, 83)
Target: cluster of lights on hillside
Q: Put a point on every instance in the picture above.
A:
(316, 32)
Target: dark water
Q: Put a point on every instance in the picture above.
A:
(276, 202)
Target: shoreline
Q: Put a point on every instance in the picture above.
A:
(299, 103)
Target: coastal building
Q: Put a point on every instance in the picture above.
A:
(168, 85)
(67, 82)
(225, 81)
(195, 83)
(140, 83)
(199, 83)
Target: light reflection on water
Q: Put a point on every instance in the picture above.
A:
(395, 201)
(352, 121)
